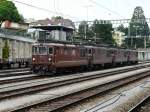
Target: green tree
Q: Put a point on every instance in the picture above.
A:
(8, 11)
(103, 30)
(123, 29)
(57, 17)
(138, 28)
(84, 31)
(82, 27)
(5, 53)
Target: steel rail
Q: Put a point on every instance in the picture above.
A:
(49, 105)
(13, 70)
(14, 77)
(25, 77)
(7, 80)
(35, 86)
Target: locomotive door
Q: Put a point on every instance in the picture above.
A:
(56, 55)
(114, 53)
(90, 56)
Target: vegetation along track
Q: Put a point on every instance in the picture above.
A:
(73, 95)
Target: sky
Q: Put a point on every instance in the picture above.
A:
(78, 10)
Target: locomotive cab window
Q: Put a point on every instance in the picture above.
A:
(34, 50)
(90, 51)
(50, 50)
(42, 50)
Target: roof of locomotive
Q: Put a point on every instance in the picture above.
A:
(54, 44)
(69, 45)
(79, 45)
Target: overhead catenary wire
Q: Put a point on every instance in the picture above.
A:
(56, 6)
(46, 10)
(102, 6)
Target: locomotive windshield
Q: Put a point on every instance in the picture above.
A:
(50, 50)
(34, 50)
(42, 50)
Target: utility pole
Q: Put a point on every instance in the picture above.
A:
(129, 36)
(144, 41)
(136, 36)
(85, 26)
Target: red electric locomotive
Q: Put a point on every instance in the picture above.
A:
(49, 57)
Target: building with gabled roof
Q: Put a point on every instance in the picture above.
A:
(55, 29)
(51, 22)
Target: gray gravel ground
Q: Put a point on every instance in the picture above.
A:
(91, 102)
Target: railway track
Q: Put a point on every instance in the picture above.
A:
(24, 74)
(41, 83)
(11, 76)
(49, 104)
(57, 104)
(16, 75)
(13, 79)
(14, 72)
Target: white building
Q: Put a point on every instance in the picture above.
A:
(54, 29)
(118, 37)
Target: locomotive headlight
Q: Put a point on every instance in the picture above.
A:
(33, 59)
(49, 59)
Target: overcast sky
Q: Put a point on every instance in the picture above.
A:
(76, 9)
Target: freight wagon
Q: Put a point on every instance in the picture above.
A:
(19, 49)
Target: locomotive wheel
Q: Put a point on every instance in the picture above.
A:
(8, 65)
(26, 64)
(19, 65)
(1, 66)
(54, 71)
